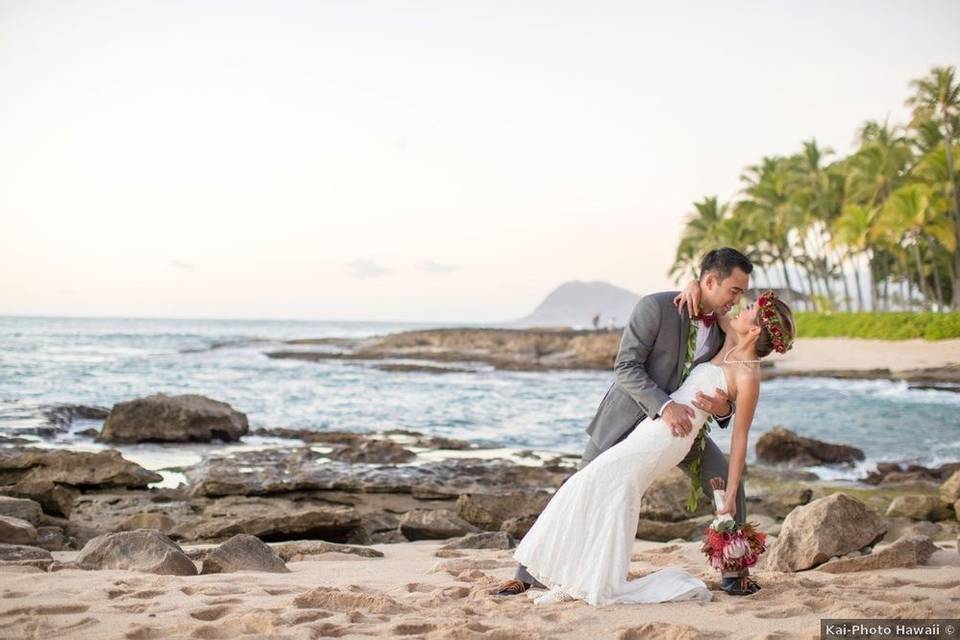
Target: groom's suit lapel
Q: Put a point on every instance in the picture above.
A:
(682, 342)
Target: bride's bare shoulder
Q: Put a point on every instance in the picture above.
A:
(746, 378)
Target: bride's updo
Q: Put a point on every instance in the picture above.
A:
(777, 328)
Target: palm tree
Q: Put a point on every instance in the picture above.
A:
(937, 99)
(700, 233)
(852, 231)
(911, 215)
(770, 210)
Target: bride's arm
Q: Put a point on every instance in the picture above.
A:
(689, 298)
(748, 392)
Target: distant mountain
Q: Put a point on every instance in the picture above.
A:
(574, 304)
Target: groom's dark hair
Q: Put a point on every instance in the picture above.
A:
(723, 261)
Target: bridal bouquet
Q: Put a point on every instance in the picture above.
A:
(727, 545)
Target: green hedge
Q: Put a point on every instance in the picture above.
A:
(884, 326)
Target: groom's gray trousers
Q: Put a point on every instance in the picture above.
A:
(648, 367)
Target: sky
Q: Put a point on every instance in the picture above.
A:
(428, 161)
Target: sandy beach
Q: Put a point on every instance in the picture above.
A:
(817, 354)
(412, 593)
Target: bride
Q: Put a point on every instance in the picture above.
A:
(580, 545)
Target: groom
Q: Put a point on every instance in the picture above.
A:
(653, 353)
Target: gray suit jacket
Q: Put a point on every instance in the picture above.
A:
(648, 367)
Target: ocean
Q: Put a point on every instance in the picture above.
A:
(101, 361)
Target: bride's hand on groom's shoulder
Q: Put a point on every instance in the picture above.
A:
(689, 298)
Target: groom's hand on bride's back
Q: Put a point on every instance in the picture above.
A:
(678, 416)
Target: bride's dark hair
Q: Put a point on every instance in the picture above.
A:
(766, 343)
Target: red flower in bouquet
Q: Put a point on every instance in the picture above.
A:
(728, 545)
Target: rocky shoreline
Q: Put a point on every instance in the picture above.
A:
(404, 533)
(455, 350)
(389, 487)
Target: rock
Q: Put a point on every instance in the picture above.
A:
(485, 540)
(372, 451)
(831, 526)
(950, 490)
(516, 528)
(63, 415)
(81, 469)
(242, 552)
(666, 499)
(262, 472)
(22, 508)
(904, 553)
(897, 473)
(918, 507)
(54, 498)
(159, 521)
(779, 446)
(18, 554)
(301, 549)
(664, 531)
(16, 531)
(490, 511)
(906, 527)
(183, 418)
(51, 539)
(143, 550)
(434, 524)
(271, 519)
(780, 502)
(128, 510)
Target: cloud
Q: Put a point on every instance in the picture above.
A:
(367, 269)
(435, 267)
(180, 264)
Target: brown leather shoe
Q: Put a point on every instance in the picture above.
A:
(511, 588)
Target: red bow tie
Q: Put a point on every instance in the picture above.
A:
(707, 320)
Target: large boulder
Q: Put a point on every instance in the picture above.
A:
(831, 526)
(434, 524)
(242, 552)
(22, 508)
(782, 446)
(16, 531)
(18, 554)
(184, 418)
(904, 553)
(920, 507)
(143, 550)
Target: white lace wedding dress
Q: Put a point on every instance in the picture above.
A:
(582, 541)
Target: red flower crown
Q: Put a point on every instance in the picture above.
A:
(770, 319)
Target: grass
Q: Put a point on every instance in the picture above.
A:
(882, 326)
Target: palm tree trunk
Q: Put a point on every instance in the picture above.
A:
(955, 205)
(856, 277)
(923, 280)
(938, 290)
